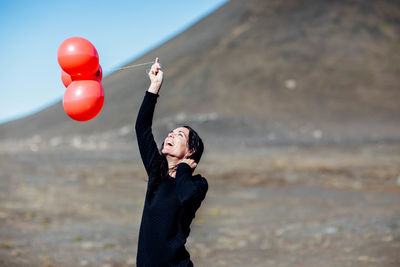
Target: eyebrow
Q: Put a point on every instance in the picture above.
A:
(179, 132)
(182, 132)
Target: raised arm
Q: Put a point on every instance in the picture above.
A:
(147, 145)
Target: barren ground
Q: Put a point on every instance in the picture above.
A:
(270, 206)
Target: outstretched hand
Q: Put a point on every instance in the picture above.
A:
(156, 77)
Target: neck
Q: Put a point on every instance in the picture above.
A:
(172, 165)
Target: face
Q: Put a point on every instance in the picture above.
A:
(176, 143)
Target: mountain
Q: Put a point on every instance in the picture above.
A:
(265, 71)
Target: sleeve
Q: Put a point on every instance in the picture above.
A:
(187, 189)
(147, 146)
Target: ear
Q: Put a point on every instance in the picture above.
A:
(189, 153)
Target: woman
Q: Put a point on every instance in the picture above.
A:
(173, 194)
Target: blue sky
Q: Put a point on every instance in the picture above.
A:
(32, 31)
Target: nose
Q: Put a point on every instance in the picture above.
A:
(171, 135)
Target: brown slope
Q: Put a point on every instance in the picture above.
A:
(343, 56)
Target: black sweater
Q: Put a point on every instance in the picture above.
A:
(170, 203)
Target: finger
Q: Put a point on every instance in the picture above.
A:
(156, 60)
(156, 66)
(154, 70)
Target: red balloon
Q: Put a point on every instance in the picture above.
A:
(83, 100)
(66, 78)
(78, 56)
(98, 75)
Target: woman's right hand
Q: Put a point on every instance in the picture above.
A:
(156, 77)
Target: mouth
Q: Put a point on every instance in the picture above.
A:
(169, 143)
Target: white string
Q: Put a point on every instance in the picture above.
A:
(133, 66)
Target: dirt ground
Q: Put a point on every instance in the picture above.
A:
(332, 205)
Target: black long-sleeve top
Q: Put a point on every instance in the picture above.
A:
(170, 204)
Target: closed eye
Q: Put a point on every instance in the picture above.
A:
(182, 134)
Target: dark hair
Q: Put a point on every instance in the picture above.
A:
(194, 143)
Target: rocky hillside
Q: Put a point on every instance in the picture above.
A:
(265, 71)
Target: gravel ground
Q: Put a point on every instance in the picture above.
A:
(267, 206)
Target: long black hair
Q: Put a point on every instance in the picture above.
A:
(195, 144)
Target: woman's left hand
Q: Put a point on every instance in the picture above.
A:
(192, 164)
(156, 77)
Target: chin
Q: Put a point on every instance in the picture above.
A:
(166, 151)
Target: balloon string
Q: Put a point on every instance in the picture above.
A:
(133, 66)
